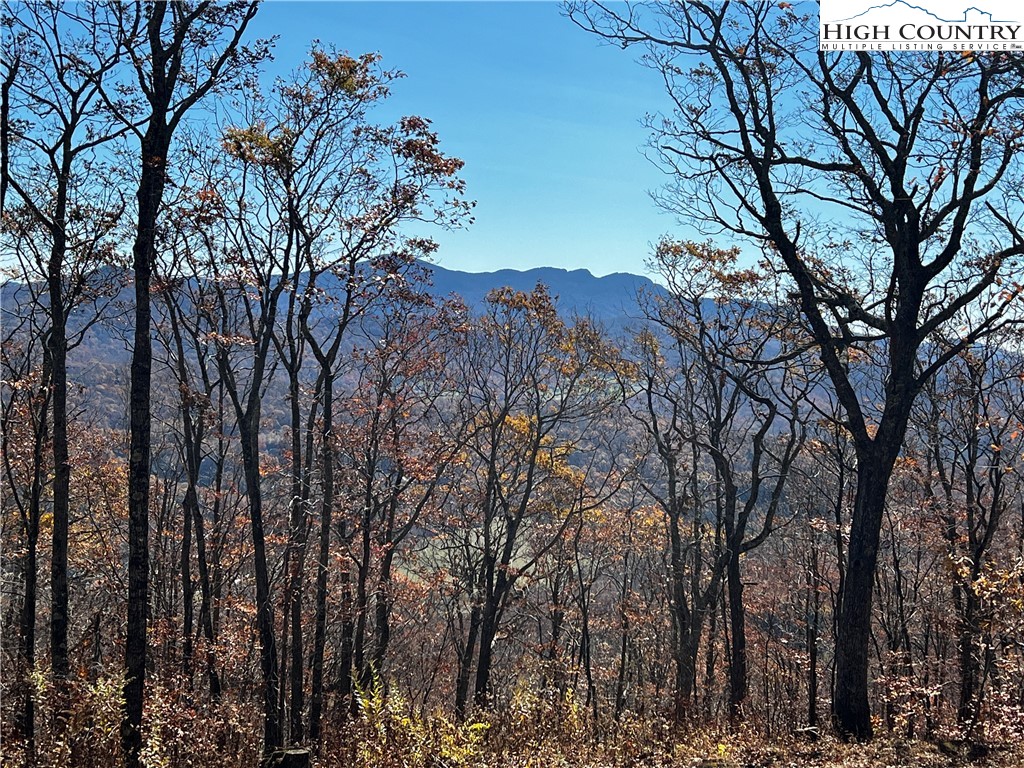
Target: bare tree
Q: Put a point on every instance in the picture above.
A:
(969, 425)
(306, 241)
(745, 377)
(180, 52)
(535, 387)
(883, 184)
(56, 132)
(398, 452)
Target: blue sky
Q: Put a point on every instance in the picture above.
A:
(547, 119)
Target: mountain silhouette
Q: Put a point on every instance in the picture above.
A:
(99, 361)
(610, 299)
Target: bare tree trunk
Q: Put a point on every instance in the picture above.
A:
(323, 561)
(187, 589)
(206, 606)
(738, 638)
(382, 613)
(193, 431)
(296, 545)
(489, 617)
(466, 663)
(362, 579)
(813, 615)
(620, 683)
(297, 703)
(684, 660)
(968, 653)
(346, 668)
(57, 349)
(851, 709)
(26, 718)
(248, 432)
(151, 184)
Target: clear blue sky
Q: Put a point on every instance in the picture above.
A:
(547, 119)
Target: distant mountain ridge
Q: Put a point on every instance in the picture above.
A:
(100, 362)
(611, 299)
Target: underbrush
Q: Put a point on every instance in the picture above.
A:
(537, 732)
(80, 726)
(440, 744)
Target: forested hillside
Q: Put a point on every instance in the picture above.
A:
(280, 489)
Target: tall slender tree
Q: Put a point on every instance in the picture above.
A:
(180, 52)
(318, 192)
(55, 133)
(535, 387)
(969, 430)
(736, 377)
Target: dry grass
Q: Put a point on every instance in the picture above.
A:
(529, 733)
(562, 741)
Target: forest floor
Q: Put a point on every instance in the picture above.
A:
(645, 747)
(526, 733)
(874, 756)
(827, 754)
